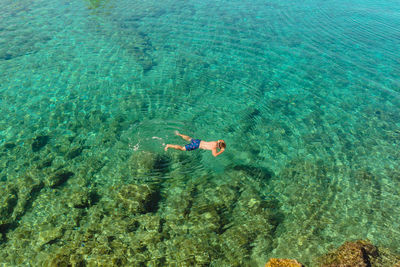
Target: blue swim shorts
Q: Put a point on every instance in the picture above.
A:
(194, 144)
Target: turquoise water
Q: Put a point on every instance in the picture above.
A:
(306, 95)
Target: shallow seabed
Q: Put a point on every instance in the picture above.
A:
(306, 95)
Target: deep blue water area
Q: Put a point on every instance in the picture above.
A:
(306, 95)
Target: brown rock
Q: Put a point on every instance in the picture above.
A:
(359, 253)
(274, 262)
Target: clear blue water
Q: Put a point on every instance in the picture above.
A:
(306, 95)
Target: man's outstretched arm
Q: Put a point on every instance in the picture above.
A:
(215, 153)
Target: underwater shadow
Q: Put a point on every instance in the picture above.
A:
(261, 173)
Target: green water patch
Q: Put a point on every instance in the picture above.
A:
(304, 94)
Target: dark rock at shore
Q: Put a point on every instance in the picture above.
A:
(274, 262)
(360, 253)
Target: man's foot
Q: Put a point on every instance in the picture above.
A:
(176, 132)
(166, 147)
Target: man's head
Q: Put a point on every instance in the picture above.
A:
(221, 144)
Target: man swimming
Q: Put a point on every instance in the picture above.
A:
(197, 143)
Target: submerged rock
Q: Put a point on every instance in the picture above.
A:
(45, 163)
(39, 142)
(8, 201)
(59, 178)
(9, 146)
(146, 167)
(274, 262)
(74, 152)
(147, 162)
(83, 199)
(142, 162)
(16, 199)
(28, 190)
(137, 198)
(49, 235)
(358, 253)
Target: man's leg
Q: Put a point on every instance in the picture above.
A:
(187, 138)
(177, 147)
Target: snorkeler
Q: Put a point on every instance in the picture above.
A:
(197, 143)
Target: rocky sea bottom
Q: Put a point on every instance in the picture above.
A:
(304, 93)
(67, 203)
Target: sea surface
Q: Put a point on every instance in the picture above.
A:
(306, 95)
